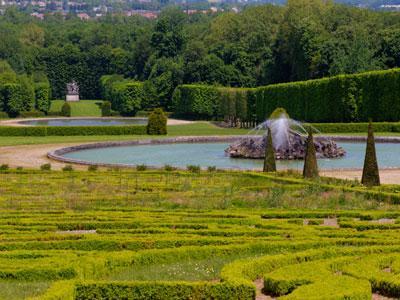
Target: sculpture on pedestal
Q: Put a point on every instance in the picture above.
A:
(72, 91)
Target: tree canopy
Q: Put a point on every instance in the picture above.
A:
(305, 39)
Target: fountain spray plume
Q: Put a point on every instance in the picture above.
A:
(289, 140)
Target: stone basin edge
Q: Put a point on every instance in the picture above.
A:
(57, 154)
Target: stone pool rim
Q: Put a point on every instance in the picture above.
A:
(57, 154)
(20, 122)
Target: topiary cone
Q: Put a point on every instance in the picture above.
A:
(269, 160)
(310, 161)
(370, 176)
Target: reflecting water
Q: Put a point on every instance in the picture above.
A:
(212, 154)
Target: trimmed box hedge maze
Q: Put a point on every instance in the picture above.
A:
(121, 234)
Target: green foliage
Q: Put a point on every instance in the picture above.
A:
(195, 101)
(278, 112)
(141, 167)
(67, 168)
(92, 168)
(170, 224)
(106, 109)
(18, 97)
(157, 122)
(45, 167)
(169, 168)
(164, 290)
(31, 114)
(211, 169)
(269, 160)
(126, 96)
(344, 98)
(370, 175)
(42, 96)
(310, 169)
(66, 110)
(193, 168)
(71, 130)
(4, 167)
(315, 280)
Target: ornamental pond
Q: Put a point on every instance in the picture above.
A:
(207, 154)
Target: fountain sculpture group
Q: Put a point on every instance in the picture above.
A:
(289, 139)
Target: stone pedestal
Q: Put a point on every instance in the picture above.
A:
(72, 98)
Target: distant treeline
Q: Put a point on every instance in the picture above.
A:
(263, 45)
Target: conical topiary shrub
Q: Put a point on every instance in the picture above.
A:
(370, 176)
(157, 122)
(269, 160)
(310, 161)
(66, 110)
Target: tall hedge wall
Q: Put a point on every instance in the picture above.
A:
(17, 97)
(42, 96)
(344, 98)
(24, 96)
(126, 96)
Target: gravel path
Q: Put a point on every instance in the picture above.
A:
(32, 156)
(388, 176)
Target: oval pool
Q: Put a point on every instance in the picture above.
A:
(85, 122)
(212, 154)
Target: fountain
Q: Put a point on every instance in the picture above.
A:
(289, 139)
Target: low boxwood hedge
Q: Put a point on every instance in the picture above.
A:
(71, 130)
(164, 290)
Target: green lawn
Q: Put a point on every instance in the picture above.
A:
(83, 108)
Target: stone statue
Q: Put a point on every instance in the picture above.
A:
(72, 91)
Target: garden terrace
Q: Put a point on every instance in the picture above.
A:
(185, 235)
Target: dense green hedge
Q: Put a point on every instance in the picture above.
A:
(344, 98)
(164, 290)
(356, 127)
(17, 97)
(126, 96)
(23, 95)
(42, 96)
(71, 130)
(157, 123)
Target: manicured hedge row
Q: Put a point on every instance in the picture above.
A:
(71, 130)
(32, 274)
(42, 96)
(315, 280)
(355, 127)
(164, 290)
(24, 95)
(126, 96)
(211, 102)
(344, 98)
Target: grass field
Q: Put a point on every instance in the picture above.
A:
(83, 108)
(182, 235)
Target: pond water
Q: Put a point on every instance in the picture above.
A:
(86, 122)
(212, 154)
